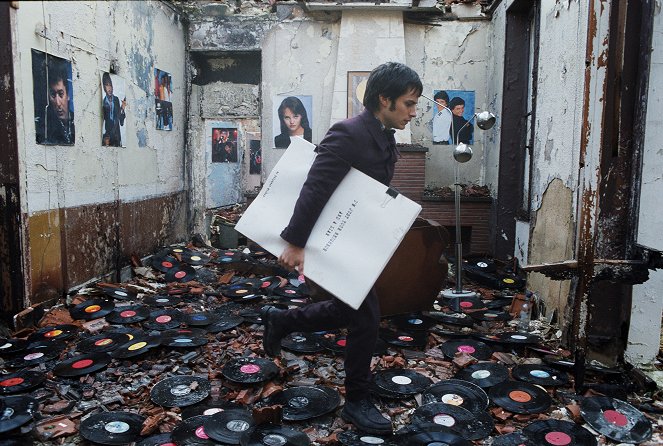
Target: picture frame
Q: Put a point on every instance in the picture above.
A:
(356, 88)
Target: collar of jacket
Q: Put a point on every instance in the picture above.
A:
(374, 126)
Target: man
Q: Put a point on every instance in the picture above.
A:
(441, 118)
(367, 143)
(113, 114)
(59, 118)
(461, 132)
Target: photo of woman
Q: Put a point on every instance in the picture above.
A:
(293, 121)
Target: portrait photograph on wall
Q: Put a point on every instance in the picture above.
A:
(53, 96)
(451, 117)
(255, 161)
(163, 92)
(113, 108)
(292, 117)
(356, 89)
(224, 145)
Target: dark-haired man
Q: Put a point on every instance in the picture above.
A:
(441, 118)
(367, 143)
(59, 116)
(462, 131)
(113, 114)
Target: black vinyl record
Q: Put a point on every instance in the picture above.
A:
(351, 438)
(137, 346)
(104, 342)
(208, 407)
(180, 273)
(195, 258)
(456, 319)
(184, 337)
(228, 256)
(228, 426)
(10, 346)
(54, 332)
(465, 303)
(471, 347)
(334, 342)
(199, 319)
(471, 426)
(490, 315)
(164, 262)
(404, 339)
(457, 393)
(402, 381)
(180, 391)
(82, 364)
(413, 321)
(484, 374)
(512, 439)
(163, 319)
(539, 374)
(306, 402)
(20, 381)
(191, 432)
(270, 434)
(558, 433)
(520, 397)
(224, 323)
(36, 353)
(499, 303)
(15, 411)
(165, 439)
(434, 437)
(118, 293)
(515, 337)
(162, 300)
(91, 309)
(300, 342)
(249, 370)
(616, 419)
(252, 315)
(128, 314)
(112, 428)
(241, 291)
(289, 291)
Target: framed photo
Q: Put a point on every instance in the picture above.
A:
(356, 89)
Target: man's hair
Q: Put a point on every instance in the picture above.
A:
(391, 80)
(456, 102)
(57, 71)
(441, 95)
(106, 79)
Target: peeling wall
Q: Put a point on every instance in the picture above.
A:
(645, 327)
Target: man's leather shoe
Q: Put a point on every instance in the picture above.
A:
(274, 330)
(366, 417)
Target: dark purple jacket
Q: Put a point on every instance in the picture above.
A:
(357, 142)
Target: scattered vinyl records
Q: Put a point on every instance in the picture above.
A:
(104, 342)
(184, 337)
(465, 303)
(404, 339)
(402, 381)
(435, 438)
(471, 347)
(82, 364)
(91, 309)
(558, 432)
(306, 402)
(195, 258)
(199, 319)
(459, 319)
(300, 342)
(228, 426)
(512, 439)
(137, 346)
(162, 300)
(457, 393)
(208, 407)
(616, 419)
(249, 370)
(20, 381)
(270, 434)
(165, 439)
(471, 426)
(164, 262)
(351, 438)
(16, 411)
(128, 314)
(163, 320)
(539, 374)
(484, 374)
(490, 315)
(119, 293)
(520, 397)
(180, 391)
(180, 273)
(224, 323)
(413, 321)
(191, 432)
(112, 428)
(36, 353)
(53, 332)
(10, 346)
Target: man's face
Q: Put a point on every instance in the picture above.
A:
(58, 99)
(442, 104)
(458, 110)
(108, 88)
(396, 114)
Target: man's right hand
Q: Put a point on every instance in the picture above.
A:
(292, 258)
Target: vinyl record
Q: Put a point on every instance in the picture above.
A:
(240, 291)
(484, 374)
(228, 426)
(490, 315)
(270, 434)
(300, 342)
(251, 315)
(91, 309)
(351, 438)
(539, 374)
(413, 321)
(402, 381)
(82, 364)
(128, 314)
(384, 393)
(112, 428)
(485, 265)
(179, 250)
(249, 370)
(137, 346)
(520, 397)
(180, 273)
(404, 339)
(36, 353)
(515, 337)
(119, 293)
(163, 320)
(471, 426)
(180, 391)
(456, 319)
(269, 284)
(209, 407)
(512, 439)
(191, 432)
(306, 402)
(465, 303)
(199, 319)
(16, 411)
(228, 256)
(457, 393)
(53, 332)
(164, 262)
(471, 347)
(104, 342)
(20, 381)
(161, 300)
(448, 332)
(184, 337)
(443, 437)
(195, 258)
(129, 333)
(165, 439)
(558, 433)
(334, 342)
(616, 419)
(224, 323)
(498, 304)
(11, 346)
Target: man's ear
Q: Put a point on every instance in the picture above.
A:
(384, 101)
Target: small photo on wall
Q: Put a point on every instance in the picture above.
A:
(163, 93)
(356, 88)
(292, 117)
(451, 117)
(224, 145)
(53, 96)
(255, 162)
(113, 108)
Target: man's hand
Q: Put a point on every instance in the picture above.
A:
(292, 258)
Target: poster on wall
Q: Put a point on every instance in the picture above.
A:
(224, 145)
(53, 96)
(255, 161)
(163, 99)
(356, 88)
(451, 117)
(113, 110)
(292, 117)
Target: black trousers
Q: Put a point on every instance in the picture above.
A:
(362, 325)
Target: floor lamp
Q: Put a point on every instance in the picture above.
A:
(462, 153)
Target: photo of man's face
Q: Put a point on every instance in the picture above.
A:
(442, 102)
(108, 88)
(58, 99)
(458, 110)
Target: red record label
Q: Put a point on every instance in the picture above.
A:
(249, 368)
(520, 396)
(615, 417)
(465, 304)
(83, 363)
(166, 264)
(558, 438)
(128, 313)
(341, 342)
(180, 274)
(163, 319)
(200, 433)
(466, 349)
(104, 341)
(11, 382)
(405, 338)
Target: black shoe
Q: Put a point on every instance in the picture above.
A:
(366, 417)
(274, 331)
